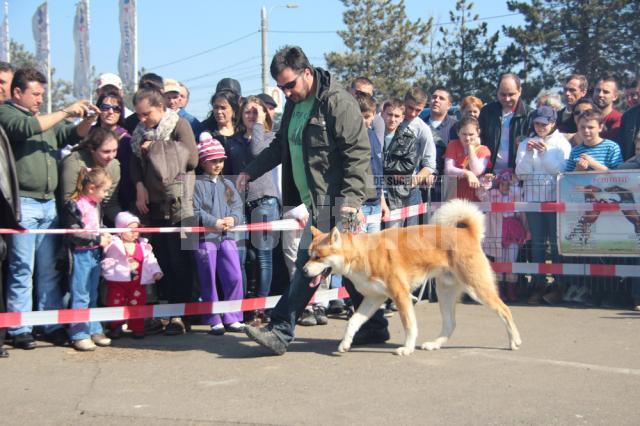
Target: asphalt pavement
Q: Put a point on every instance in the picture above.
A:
(576, 367)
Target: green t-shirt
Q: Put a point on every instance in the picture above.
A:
(299, 119)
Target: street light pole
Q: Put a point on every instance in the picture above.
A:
(264, 25)
(264, 28)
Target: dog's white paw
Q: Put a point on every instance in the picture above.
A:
(515, 344)
(343, 347)
(430, 346)
(403, 351)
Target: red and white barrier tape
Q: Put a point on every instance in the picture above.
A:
(277, 225)
(398, 214)
(568, 269)
(123, 313)
(67, 316)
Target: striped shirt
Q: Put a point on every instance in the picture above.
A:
(606, 153)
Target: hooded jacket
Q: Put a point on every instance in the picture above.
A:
(115, 266)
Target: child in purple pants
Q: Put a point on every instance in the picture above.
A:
(217, 204)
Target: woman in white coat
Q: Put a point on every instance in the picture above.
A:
(538, 161)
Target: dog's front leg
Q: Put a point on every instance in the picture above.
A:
(408, 317)
(365, 311)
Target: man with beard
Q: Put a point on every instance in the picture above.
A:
(605, 94)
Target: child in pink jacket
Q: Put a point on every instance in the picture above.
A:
(128, 265)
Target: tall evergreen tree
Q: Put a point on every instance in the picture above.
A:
(560, 37)
(465, 55)
(382, 44)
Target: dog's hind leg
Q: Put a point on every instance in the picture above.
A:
(369, 305)
(448, 292)
(493, 301)
(482, 283)
(408, 317)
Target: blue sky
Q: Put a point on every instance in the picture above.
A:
(169, 30)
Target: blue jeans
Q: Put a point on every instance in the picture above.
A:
(542, 227)
(296, 297)
(264, 242)
(83, 286)
(415, 198)
(34, 251)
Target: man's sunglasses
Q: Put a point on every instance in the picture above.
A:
(107, 107)
(290, 85)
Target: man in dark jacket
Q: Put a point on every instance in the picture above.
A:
(324, 150)
(629, 129)
(503, 123)
(9, 211)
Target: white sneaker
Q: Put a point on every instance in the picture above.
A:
(83, 345)
(101, 340)
(235, 327)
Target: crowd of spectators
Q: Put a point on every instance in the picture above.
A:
(98, 164)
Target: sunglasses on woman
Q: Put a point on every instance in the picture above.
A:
(107, 107)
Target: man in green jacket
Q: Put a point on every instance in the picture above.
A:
(35, 140)
(325, 154)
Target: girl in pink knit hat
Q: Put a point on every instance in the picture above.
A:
(217, 205)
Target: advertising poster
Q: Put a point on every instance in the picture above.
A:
(612, 226)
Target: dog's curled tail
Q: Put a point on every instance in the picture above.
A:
(461, 214)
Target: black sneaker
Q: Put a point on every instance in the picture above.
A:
(175, 327)
(24, 341)
(153, 326)
(57, 337)
(321, 315)
(308, 318)
(370, 336)
(336, 307)
(266, 338)
(390, 308)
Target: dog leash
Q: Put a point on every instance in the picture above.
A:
(351, 223)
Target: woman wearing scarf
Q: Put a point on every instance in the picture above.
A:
(164, 156)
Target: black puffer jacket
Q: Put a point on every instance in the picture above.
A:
(491, 128)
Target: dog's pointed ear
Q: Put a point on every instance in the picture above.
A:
(315, 231)
(336, 238)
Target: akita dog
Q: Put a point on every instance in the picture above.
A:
(392, 263)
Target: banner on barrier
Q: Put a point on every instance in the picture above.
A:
(606, 229)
